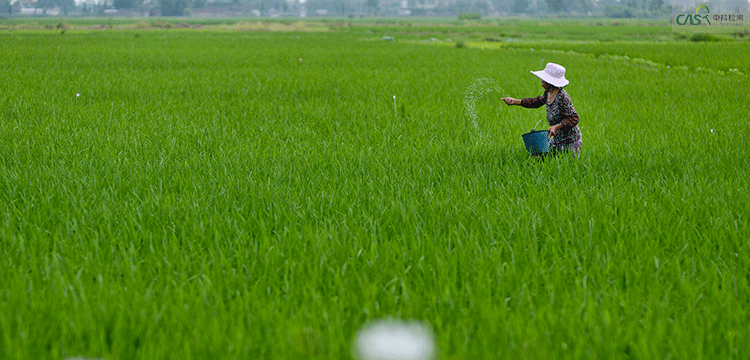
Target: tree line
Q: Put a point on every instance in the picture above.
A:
(609, 8)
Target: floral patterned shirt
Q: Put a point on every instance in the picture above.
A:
(561, 111)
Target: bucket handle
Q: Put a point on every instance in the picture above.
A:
(537, 123)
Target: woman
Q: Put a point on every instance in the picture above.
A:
(561, 115)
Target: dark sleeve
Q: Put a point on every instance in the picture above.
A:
(570, 121)
(570, 116)
(534, 103)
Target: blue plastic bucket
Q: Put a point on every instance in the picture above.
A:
(536, 142)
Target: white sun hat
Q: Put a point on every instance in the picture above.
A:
(553, 74)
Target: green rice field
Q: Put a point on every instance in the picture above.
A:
(252, 190)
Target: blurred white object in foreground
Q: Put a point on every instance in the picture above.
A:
(395, 340)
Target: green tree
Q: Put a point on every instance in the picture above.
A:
(520, 6)
(341, 7)
(556, 6)
(5, 7)
(124, 4)
(583, 5)
(66, 5)
(372, 6)
(619, 12)
(44, 5)
(173, 7)
(655, 5)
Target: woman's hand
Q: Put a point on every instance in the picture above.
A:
(553, 130)
(511, 101)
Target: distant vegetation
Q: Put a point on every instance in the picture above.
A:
(342, 8)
